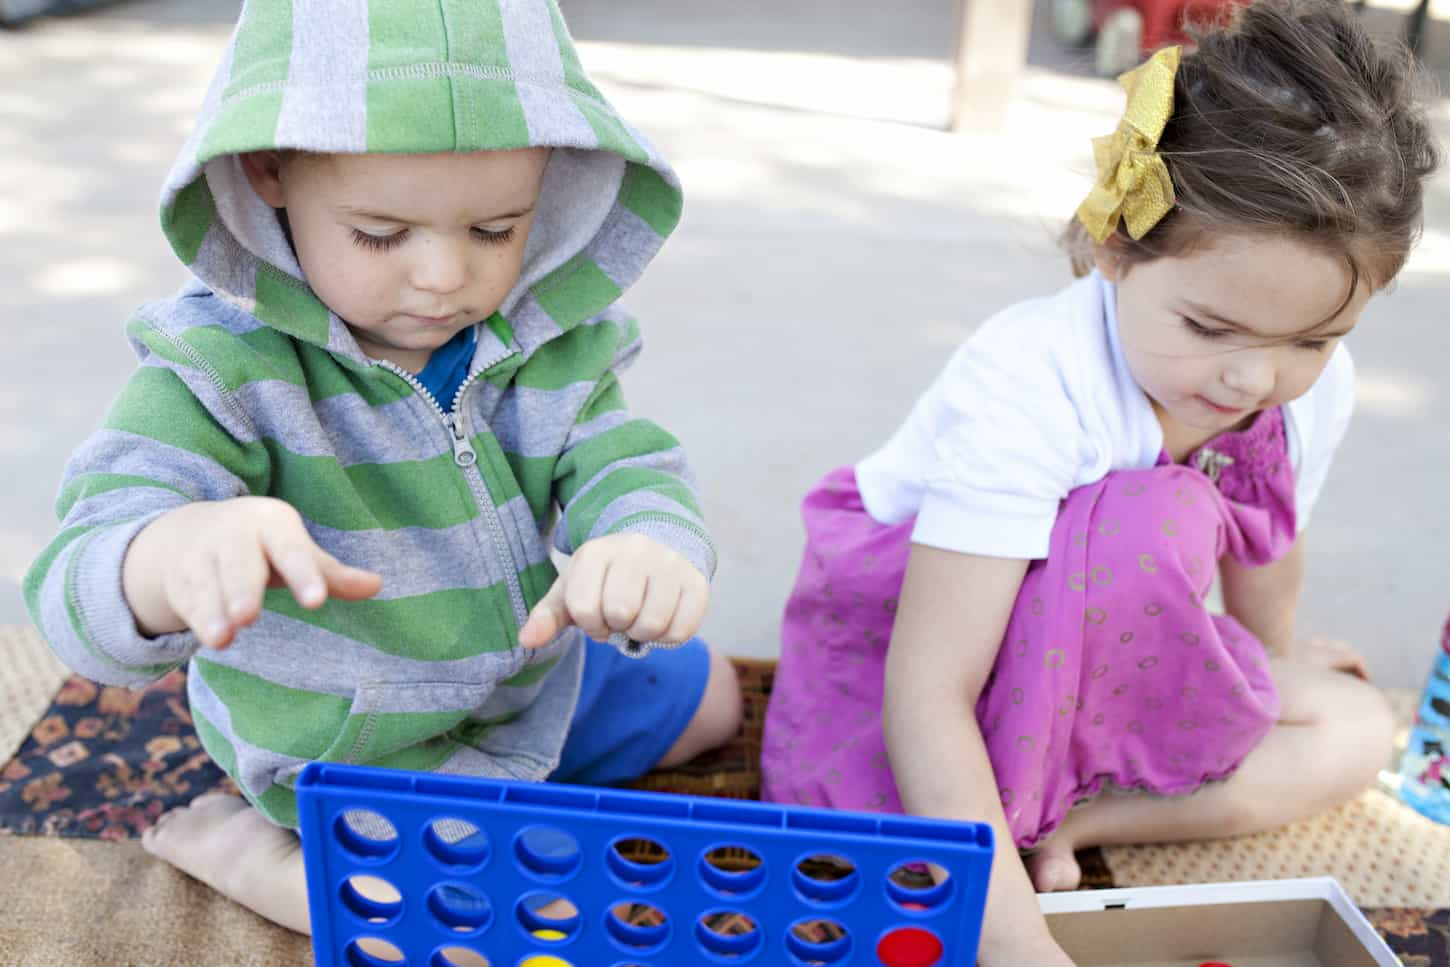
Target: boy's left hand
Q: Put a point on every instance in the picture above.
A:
(622, 583)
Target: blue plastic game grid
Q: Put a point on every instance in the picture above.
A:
(469, 869)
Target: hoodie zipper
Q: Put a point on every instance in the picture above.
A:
(466, 458)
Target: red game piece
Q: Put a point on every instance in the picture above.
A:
(909, 947)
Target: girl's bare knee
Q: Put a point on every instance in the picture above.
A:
(1358, 729)
(1376, 728)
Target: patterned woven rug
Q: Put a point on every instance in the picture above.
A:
(104, 763)
(29, 678)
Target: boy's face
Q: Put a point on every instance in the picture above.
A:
(406, 249)
(1240, 326)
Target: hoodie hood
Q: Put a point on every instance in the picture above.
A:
(417, 76)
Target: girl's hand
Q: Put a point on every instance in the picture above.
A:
(1039, 950)
(1333, 654)
(622, 583)
(205, 566)
(932, 683)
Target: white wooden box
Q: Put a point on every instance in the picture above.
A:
(1268, 923)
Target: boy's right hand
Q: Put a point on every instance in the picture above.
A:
(205, 566)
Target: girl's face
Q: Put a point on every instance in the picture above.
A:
(406, 249)
(1229, 329)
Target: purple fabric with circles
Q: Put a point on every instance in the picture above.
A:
(1111, 669)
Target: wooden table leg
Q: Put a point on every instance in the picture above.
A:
(1415, 29)
(991, 52)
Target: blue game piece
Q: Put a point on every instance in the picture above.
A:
(446, 871)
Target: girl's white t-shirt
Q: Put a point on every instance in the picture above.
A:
(1038, 402)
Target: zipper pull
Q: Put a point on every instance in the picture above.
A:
(463, 453)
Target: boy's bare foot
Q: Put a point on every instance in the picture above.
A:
(229, 846)
(1053, 866)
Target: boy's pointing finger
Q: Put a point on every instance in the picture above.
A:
(549, 617)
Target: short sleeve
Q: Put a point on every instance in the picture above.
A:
(1321, 419)
(1010, 444)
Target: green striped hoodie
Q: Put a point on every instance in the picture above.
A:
(247, 384)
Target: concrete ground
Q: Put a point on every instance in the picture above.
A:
(837, 245)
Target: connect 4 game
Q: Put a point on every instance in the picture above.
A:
(445, 871)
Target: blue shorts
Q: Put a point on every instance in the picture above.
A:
(631, 711)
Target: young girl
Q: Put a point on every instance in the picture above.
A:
(1037, 541)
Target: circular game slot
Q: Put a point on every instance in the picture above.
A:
(373, 952)
(638, 861)
(825, 878)
(460, 907)
(550, 917)
(547, 852)
(456, 843)
(909, 947)
(371, 898)
(459, 957)
(545, 960)
(919, 886)
(639, 925)
(366, 834)
(732, 870)
(819, 941)
(728, 934)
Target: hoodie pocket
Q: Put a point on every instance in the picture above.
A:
(387, 717)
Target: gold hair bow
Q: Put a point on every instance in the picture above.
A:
(1133, 182)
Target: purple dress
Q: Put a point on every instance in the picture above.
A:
(1111, 669)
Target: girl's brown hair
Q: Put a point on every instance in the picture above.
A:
(1291, 120)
